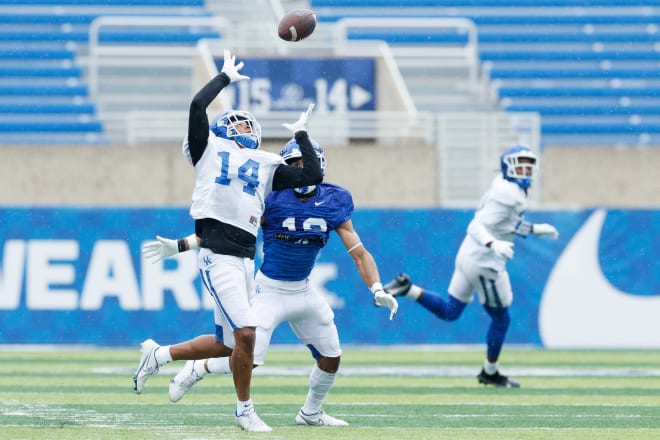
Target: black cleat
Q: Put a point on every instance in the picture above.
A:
(497, 380)
(398, 286)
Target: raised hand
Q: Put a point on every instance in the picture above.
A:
(230, 68)
(301, 123)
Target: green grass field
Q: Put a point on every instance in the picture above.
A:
(425, 393)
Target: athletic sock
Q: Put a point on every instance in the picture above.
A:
(490, 367)
(414, 292)
(320, 383)
(217, 365)
(243, 406)
(162, 355)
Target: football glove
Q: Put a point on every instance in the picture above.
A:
(301, 123)
(230, 68)
(545, 229)
(503, 249)
(383, 299)
(160, 249)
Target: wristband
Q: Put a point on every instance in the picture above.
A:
(355, 247)
(375, 287)
(191, 241)
(187, 243)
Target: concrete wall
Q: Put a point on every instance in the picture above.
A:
(608, 176)
(378, 176)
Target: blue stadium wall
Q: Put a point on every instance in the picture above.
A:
(75, 276)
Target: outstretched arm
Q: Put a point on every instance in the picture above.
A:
(198, 122)
(289, 176)
(366, 266)
(165, 247)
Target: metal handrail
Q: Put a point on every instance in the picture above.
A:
(95, 48)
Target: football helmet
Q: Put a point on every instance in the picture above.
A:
(291, 152)
(513, 170)
(224, 126)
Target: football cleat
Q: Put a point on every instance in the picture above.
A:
(399, 286)
(318, 419)
(183, 381)
(497, 380)
(148, 365)
(250, 421)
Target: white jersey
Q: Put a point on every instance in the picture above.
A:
(500, 211)
(232, 183)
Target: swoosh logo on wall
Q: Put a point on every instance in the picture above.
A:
(580, 308)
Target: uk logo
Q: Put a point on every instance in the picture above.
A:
(207, 260)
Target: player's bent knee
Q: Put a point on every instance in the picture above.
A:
(245, 338)
(329, 364)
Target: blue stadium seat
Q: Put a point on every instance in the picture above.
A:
(43, 94)
(316, 4)
(589, 67)
(104, 3)
(23, 108)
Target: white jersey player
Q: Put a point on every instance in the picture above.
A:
(480, 264)
(296, 226)
(232, 181)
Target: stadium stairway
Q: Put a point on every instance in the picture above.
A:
(589, 67)
(44, 98)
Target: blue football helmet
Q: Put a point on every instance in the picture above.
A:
(291, 152)
(513, 170)
(224, 126)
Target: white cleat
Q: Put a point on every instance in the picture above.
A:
(183, 381)
(250, 421)
(148, 365)
(318, 419)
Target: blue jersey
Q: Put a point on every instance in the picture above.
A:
(295, 230)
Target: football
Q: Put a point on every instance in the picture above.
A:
(297, 24)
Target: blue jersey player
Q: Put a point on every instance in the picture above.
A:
(296, 224)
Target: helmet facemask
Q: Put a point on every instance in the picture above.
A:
(519, 165)
(232, 125)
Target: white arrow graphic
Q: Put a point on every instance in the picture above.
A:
(359, 96)
(581, 309)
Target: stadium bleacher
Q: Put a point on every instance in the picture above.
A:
(589, 67)
(44, 97)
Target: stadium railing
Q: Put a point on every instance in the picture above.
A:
(573, 53)
(44, 97)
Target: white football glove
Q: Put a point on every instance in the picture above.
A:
(301, 123)
(230, 68)
(383, 299)
(156, 251)
(545, 229)
(502, 248)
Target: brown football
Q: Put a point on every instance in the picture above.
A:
(297, 24)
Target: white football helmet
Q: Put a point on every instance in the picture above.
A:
(513, 170)
(224, 126)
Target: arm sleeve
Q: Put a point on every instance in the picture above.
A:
(198, 122)
(289, 176)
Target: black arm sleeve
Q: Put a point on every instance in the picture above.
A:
(198, 122)
(290, 176)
